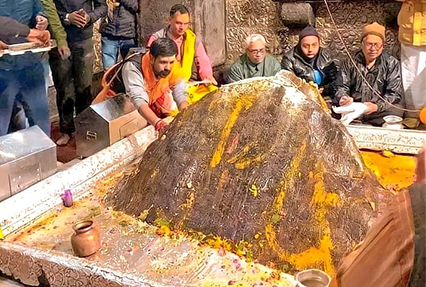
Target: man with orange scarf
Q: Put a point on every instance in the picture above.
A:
(154, 84)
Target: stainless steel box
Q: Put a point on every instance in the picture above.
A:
(105, 123)
(26, 157)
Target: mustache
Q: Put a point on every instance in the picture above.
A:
(163, 73)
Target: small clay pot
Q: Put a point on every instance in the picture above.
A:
(86, 240)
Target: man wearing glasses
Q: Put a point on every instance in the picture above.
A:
(255, 62)
(377, 70)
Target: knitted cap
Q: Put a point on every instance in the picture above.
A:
(374, 29)
(308, 31)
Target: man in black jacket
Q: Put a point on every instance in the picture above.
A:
(118, 30)
(73, 76)
(309, 61)
(380, 71)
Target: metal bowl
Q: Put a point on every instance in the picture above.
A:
(392, 119)
(311, 278)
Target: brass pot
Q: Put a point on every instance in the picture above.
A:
(86, 240)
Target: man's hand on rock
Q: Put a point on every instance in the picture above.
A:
(160, 125)
(211, 79)
(183, 106)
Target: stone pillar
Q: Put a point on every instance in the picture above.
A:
(209, 24)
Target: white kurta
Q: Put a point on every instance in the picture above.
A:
(413, 69)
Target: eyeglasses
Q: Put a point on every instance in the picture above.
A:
(376, 46)
(255, 52)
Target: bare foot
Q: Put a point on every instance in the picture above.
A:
(63, 140)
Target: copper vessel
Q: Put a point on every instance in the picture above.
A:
(86, 240)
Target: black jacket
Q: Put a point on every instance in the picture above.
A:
(384, 77)
(123, 23)
(95, 8)
(295, 62)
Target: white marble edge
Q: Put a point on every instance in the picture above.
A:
(399, 141)
(28, 205)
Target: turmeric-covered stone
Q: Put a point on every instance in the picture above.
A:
(262, 165)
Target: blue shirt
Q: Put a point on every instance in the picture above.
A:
(318, 78)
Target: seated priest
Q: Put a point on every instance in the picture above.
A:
(374, 80)
(255, 62)
(309, 61)
(154, 83)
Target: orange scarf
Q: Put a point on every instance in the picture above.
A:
(159, 90)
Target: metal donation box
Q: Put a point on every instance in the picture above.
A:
(26, 157)
(105, 123)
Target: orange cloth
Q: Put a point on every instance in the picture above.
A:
(160, 100)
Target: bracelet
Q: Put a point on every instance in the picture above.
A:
(66, 20)
(156, 123)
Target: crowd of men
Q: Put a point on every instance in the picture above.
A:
(156, 80)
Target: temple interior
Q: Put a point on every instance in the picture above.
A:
(253, 184)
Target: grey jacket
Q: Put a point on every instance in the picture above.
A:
(134, 84)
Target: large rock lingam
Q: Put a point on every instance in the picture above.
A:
(261, 164)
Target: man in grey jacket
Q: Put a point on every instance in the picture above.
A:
(154, 86)
(255, 62)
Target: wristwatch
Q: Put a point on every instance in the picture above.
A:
(66, 20)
